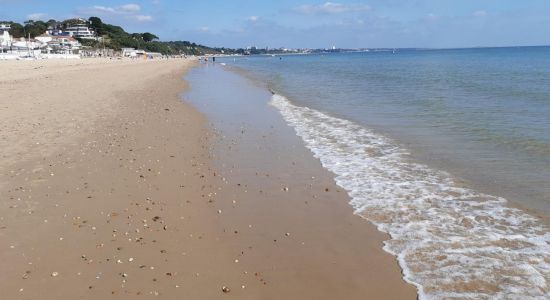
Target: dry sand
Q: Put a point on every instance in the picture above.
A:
(108, 190)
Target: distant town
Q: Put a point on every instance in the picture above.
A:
(76, 38)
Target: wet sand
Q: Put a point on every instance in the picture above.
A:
(112, 187)
(283, 215)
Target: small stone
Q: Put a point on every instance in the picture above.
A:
(226, 289)
(55, 274)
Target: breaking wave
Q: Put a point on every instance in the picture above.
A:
(450, 241)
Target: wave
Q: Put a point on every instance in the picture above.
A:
(450, 241)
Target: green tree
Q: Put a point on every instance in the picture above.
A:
(97, 25)
(16, 30)
(34, 28)
(52, 23)
(149, 37)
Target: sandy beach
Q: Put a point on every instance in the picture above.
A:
(111, 186)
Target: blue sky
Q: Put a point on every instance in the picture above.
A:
(308, 23)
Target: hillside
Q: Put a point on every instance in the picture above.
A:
(114, 37)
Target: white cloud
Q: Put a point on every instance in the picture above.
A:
(37, 16)
(479, 13)
(128, 11)
(141, 18)
(331, 8)
(100, 9)
(116, 10)
(129, 8)
(253, 18)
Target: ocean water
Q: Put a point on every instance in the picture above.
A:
(448, 151)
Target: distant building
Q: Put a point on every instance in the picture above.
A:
(5, 38)
(133, 53)
(45, 38)
(26, 47)
(63, 45)
(59, 44)
(129, 52)
(80, 30)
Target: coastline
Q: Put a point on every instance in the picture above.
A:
(107, 179)
(436, 221)
(276, 198)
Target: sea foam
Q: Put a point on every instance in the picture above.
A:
(450, 241)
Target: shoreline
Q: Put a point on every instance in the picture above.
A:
(421, 156)
(284, 204)
(318, 133)
(108, 177)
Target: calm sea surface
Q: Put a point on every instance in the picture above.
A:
(447, 151)
(481, 114)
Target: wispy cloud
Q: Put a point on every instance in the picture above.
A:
(37, 16)
(129, 8)
(122, 9)
(141, 18)
(330, 8)
(128, 11)
(253, 18)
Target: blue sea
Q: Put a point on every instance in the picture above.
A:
(447, 151)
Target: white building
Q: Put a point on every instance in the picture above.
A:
(63, 45)
(134, 53)
(80, 30)
(129, 52)
(5, 38)
(44, 38)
